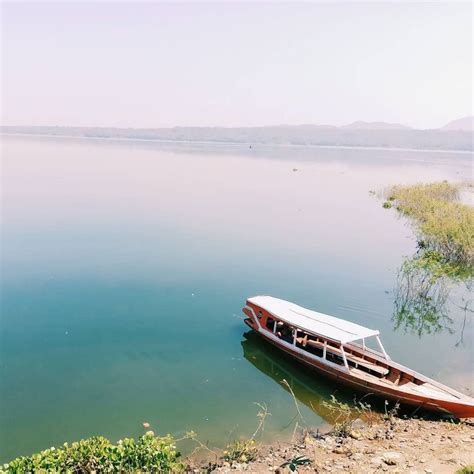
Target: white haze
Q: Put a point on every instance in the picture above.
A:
(159, 64)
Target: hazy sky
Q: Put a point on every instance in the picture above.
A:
(227, 64)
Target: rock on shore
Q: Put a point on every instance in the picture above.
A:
(399, 446)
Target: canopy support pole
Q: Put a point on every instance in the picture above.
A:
(382, 348)
(256, 318)
(325, 349)
(344, 357)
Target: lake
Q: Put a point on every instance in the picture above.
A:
(125, 265)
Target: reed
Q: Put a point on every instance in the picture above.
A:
(346, 415)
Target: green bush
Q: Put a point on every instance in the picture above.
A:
(466, 470)
(150, 454)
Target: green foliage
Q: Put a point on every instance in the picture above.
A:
(149, 453)
(439, 267)
(387, 205)
(410, 194)
(445, 255)
(241, 451)
(446, 226)
(466, 470)
(295, 462)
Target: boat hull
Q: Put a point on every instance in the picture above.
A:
(344, 377)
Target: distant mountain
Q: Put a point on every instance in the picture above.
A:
(465, 123)
(360, 134)
(307, 126)
(360, 125)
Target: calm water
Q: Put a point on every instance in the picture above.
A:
(125, 266)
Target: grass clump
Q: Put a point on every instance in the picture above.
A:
(293, 463)
(445, 226)
(241, 451)
(149, 454)
(391, 413)
(346, 415)
(466, 470)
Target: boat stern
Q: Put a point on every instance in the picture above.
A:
(251, 319)
(461, 410)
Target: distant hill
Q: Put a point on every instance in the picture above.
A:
(465, 123)
(306, 126)
(359, 134)
(360, 125)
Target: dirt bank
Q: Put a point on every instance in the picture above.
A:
(403, 446)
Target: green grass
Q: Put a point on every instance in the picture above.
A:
(345, 415)
(466, 470)
(148, 454)
(445, 226)
(241, 451)
(293, 463)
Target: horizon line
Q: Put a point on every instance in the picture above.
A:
(281, 125)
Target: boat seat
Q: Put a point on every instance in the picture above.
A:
(350, 357)
(406, 378)
(370, 365)
(313, 343)
(375, 368)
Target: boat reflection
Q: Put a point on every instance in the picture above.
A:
(309, 387)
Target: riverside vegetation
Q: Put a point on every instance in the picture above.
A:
(445, 226)
(444, 258)
(97, 454)
(360, 442)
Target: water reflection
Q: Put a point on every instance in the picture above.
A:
(423, 301)
(309, 388)
(420, 301)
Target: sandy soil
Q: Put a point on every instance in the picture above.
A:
(403, 446)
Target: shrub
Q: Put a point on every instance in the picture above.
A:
(387, 205)
(466, 470)
(149, 453)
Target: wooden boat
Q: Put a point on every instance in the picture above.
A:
(338, 349)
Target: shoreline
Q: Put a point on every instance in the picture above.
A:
(243, 144)
(395, 445)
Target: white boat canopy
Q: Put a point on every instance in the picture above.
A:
(311, 321)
